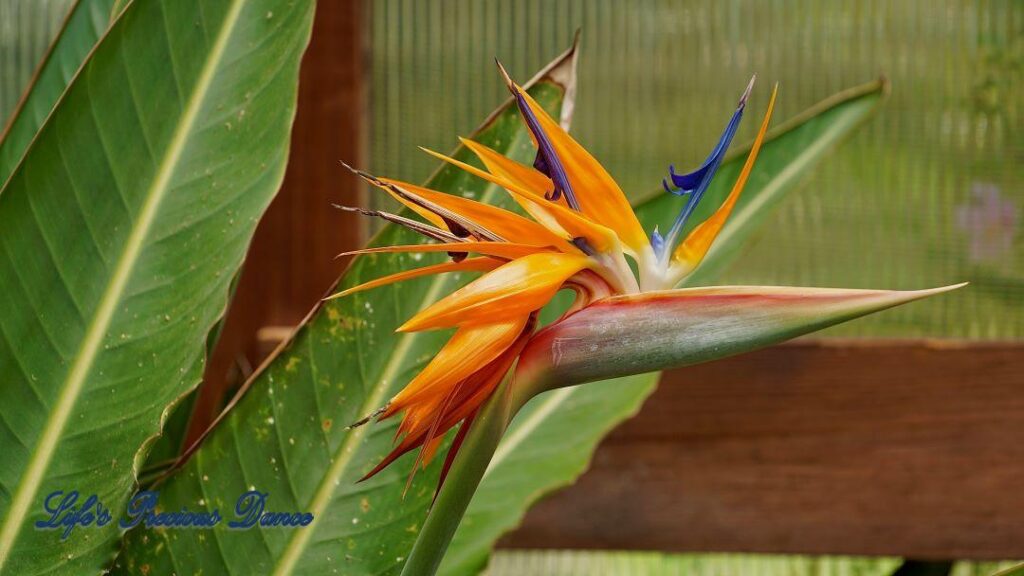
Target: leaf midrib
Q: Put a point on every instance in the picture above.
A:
(72, 386)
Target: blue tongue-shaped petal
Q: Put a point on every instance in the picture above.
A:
(692, 180)
(694, 184)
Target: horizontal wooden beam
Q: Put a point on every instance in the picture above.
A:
(894, 448)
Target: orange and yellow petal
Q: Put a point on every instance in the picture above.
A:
(600, 197)
(512, 290)
(508, 225)
(526, 177)
(506, 250)
(467, 265)
(555, 216)
(468, 349)
(428, 417)
(531, 201)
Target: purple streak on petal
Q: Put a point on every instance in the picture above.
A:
(547, 161)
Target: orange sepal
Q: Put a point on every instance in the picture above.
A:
(427, 420)
(468, 349)
(528, 178)
(468, 265)
(516, 288)
(599, 195)
(554, 216)
(505, 250)
(508, 225)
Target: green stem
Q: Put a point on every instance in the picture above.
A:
(463, 478)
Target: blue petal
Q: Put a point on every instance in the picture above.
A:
(692, 180)
(657, 242)
(669, 189)
(695, 183)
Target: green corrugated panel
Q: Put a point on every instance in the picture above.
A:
(931, 192)
(26, 29)
(595, 563)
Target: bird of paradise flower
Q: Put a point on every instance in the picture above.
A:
(579, 233)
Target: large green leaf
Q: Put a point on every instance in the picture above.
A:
(120, 230)
(552, 439)
(82, 28)
(287, 435)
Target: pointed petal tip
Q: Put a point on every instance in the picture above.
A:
(375, 414)
(361, 173)
(939, 290)
(351, 169)
(342, 294)
(432, 152)
(505, 76)
(409, 326)
(746, 93)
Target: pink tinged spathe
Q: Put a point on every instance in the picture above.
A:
(640, 333)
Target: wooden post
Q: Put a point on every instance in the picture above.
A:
(291, 262)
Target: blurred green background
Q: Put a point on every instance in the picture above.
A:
(26, 29)
(930, 192)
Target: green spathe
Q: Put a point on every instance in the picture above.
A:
(634, 334)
